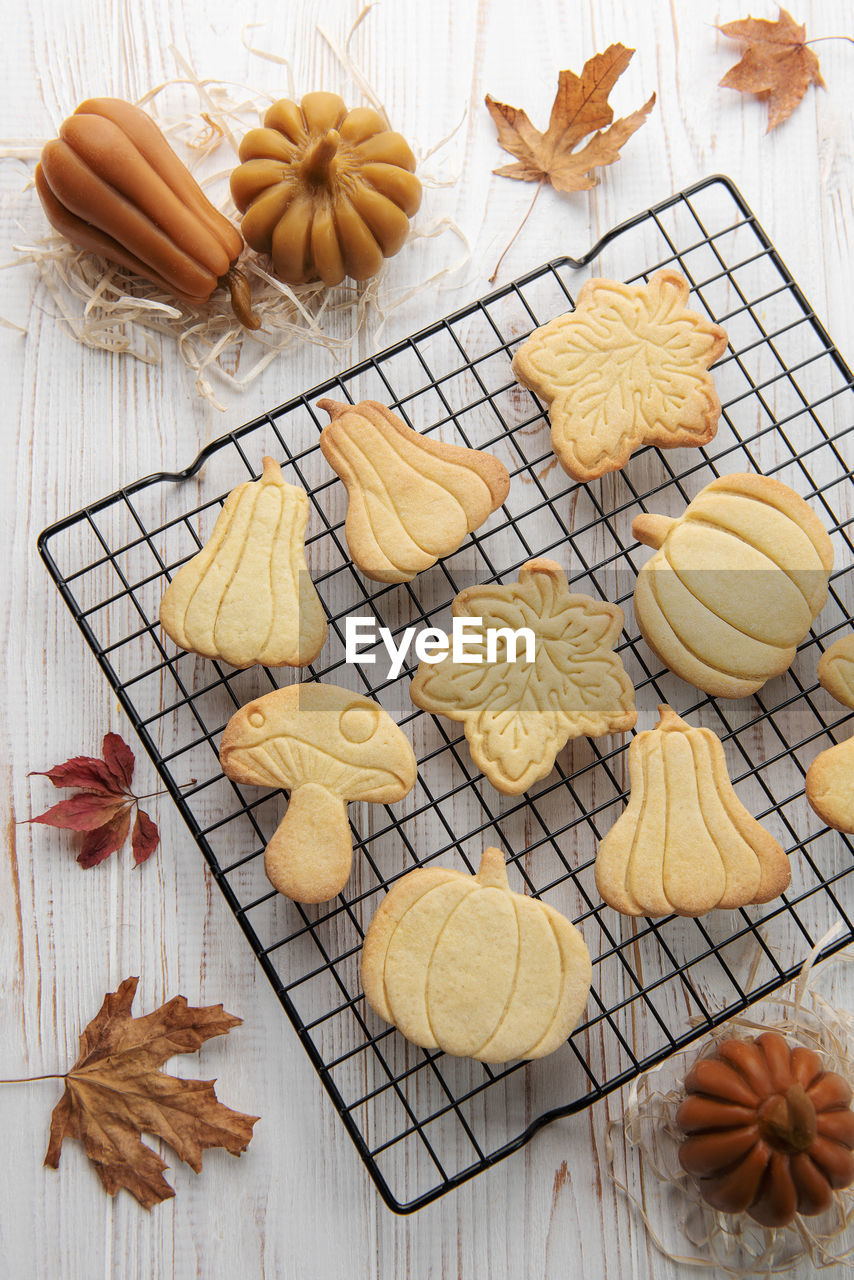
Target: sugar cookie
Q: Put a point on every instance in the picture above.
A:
(628, 367)
(830, 777)
(464, 964)
(517, 714)
(247, 596)
(412, 500)
(734, 585)
(685, 842)
(327, 746)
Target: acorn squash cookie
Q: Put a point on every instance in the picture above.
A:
(412, 500)
(830, 777)
(685, 842)
(464, 964)
(518, 714)
(247, 596)
(628, 367)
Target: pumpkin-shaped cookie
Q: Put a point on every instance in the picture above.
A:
(327, 191)
(412, 500)
(770, 1132)
(734, 585)
(463, 964)
(685, 842)
(247, 596)
(830, 777)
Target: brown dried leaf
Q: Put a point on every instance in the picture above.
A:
(580, 109)
(114, 1092)
(776, 64)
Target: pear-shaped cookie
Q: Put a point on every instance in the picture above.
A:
(247, 596)
(464, 964)
(628, 367)
(685, 843)
(412, 500)
(327, 747)
(830, 777)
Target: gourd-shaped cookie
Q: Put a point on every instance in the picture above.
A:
(327, 746)
(770, 1131)
(628, 367)
(412, 500)
(734, 585)
(518, 714)
(247, 596)
(685, 843)
(830, 777)
(461, 963)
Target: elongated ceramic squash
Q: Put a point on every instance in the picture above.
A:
(412, 500)
(830, 777)
(734, 585)
(768, 1130)
(327, 191)
(111, 183)
(463, 964)
(247, 596)
(685, 842)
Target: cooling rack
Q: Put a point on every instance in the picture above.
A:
(424, 1122)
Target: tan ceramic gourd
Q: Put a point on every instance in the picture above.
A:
(328, 192)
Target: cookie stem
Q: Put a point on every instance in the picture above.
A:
(492, 872)
(651, 529)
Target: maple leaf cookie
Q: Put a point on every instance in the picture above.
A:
(628, 367)
(519, 714)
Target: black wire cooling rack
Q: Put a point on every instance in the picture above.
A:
(424, 1122)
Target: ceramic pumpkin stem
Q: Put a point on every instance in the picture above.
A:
(237, 285)
(317, 163)
(310, 856)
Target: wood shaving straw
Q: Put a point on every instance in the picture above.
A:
(102, 306)
(733, 1244)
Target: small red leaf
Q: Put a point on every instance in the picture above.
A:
(145, 837)
(85, 811)
(118, 758)
(100, 843)
(80, 771)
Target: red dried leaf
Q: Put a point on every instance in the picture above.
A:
(100, 843)
(85, 811)
(87, 772)
(145, 837)
(118, 758)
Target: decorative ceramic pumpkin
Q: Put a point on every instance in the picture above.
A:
(412, 500)
(247, 596)
(830, 777)
(685, 842)
(328, 192)
(463, 964)
(734, 585)
(111, 183)
(770, 1131)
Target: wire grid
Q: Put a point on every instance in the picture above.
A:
(424, 1122)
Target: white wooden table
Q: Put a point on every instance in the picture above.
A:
(77, 423)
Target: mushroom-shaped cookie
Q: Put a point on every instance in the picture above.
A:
(769, 1130)
(830, 777)
(412, 500)
(464, 964)
(685, 842)
(326, 746)
(247, 596)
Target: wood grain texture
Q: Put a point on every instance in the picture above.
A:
(77, 422)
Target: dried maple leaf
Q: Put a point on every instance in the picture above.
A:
(114, 1092)
(102, 807)
(776, 64)
(518, 714)
(580, 109)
